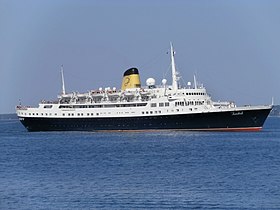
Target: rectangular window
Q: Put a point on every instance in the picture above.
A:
(161, 104)
(166, 103)
(153, 105)
(47, 106)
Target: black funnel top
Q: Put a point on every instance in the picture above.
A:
(131, 71)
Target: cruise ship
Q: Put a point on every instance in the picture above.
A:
(142, 108)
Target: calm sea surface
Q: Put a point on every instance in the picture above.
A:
(150, 170)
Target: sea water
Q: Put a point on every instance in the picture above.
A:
(139, 170)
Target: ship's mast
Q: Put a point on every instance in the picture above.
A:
(174, 73)
(194, 82)
(62, 79)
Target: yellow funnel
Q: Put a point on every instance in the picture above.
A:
(131, 79)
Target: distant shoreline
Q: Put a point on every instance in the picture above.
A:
(275, 112)
(8, 116)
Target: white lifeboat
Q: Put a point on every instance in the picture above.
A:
(97, 94)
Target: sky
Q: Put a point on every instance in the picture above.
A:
(232, 46)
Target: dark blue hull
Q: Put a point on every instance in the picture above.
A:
(229, 120)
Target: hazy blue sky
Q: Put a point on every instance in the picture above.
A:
(232, 46)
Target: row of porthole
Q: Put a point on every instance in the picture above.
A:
(92, 114)
(37, 114)
(151, 112)
(196, 94)
(68, 114)
(55, 114)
